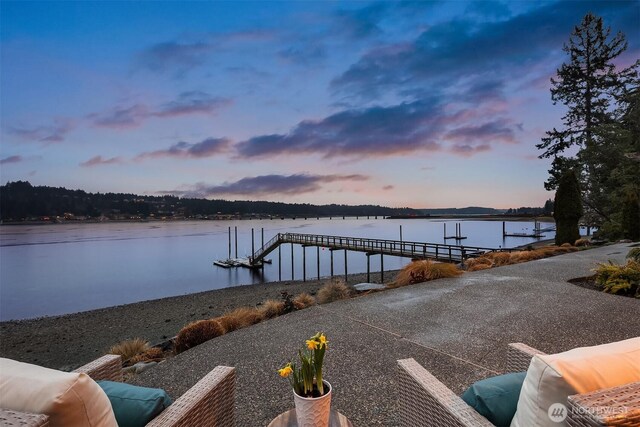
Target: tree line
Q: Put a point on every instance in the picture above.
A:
(21, 200)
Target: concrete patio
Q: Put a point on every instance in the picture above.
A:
(457, 328)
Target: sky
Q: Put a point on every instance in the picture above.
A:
(422, 104)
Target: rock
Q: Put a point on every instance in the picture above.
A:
(140, 367)
(131, 369)
(361, 287)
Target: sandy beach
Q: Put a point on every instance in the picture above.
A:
(66, 342)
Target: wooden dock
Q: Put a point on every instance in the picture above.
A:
(536, 233)
(415, 250)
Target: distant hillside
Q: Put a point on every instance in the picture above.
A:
(21, 201)
(471, 210)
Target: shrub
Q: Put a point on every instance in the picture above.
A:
(154, 354)
(287, 302)
(303, 300)
(272, 308)
(634, 254)
(333, 291)
(196, 333)
(567, 208)
(245, 316)
(566, 245)
(619, 279)
(130, 348)
(423, 271)
(582, 243)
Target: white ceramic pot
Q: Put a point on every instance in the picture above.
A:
(313, 411)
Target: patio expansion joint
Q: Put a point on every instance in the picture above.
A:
(386, 331)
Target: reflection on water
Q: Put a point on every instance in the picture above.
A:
(64, 268)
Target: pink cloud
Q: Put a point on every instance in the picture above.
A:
(99, 161)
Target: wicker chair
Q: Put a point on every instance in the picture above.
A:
(210, 402)
(425, 401)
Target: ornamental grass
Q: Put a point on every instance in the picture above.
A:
(245, 316)
(621, 279)
(130, 348)
(303, 300)
(634, 254)
(582, 243)
(271, 308)
(333, 291)
(479, 266)
(423, 271)
(154, 354)
(497, 259)
(229, 323)
(196, 333)
(500, 258)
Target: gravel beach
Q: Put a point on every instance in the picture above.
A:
(66, 342)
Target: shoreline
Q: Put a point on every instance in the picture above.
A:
(461, 217)
(71, 340)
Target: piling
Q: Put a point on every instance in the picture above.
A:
(229, 257)
(368, 269)
(346, 274)
(236, 232)
(253, 243)
(382, 268)
(318, 259)
(280, 263)
(331, 253)
(304, 263)
(292, 262)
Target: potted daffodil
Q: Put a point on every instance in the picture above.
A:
(311, 394)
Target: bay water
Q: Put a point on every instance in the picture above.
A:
(57, 269)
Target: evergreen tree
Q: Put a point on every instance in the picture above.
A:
(567, 209)
(631, 216)
(594, 92)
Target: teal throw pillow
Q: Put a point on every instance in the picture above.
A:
(496, 398)
(134, 406)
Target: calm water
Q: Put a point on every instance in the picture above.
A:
(56, 269)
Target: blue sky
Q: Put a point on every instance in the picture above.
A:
(422, 104)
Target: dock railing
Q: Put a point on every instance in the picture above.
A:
(417, 250)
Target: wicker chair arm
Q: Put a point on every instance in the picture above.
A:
(616, 406)
(519, 356)
(425, 402)
(108, 367)
(211, 402)
(22, 419)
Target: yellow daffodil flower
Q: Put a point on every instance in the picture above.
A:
(312, 344)
(286, 371)
(323, 340)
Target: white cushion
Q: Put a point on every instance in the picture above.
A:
(69, 399)
(552, 378)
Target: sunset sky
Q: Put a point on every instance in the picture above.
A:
(421, 104)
